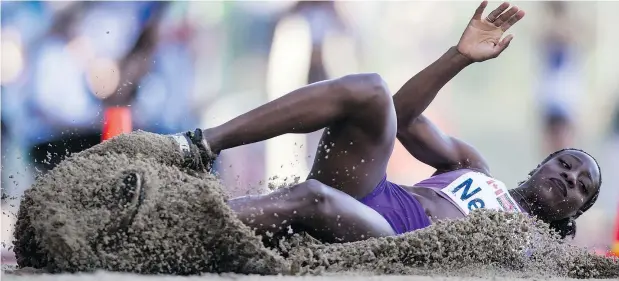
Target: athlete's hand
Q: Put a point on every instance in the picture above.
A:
(481, 39)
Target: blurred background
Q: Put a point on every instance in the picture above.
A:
(180, 65)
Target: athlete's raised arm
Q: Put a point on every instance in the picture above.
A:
(480, 41)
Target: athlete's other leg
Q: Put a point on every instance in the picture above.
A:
(359, 114)
(353, 153)
(325, 213)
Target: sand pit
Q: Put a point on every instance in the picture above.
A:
(104, 276)
(136, 204)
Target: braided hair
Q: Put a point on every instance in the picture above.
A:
(567, 227)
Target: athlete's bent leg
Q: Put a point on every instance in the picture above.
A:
(304, 110)
(325, 213)
(354, 152)
(359, 113)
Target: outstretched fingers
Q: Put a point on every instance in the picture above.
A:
(507, 19)
(480, 10)
(492, 17)
(512, 20)
(504, 17)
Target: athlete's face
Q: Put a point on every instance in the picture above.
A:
(561, 186)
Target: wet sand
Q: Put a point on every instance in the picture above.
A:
(133, 204)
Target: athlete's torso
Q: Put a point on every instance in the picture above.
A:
(454, 194)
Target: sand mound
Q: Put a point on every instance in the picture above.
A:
(100, 210)
(484, 242)
(140, 144)
(133, 204)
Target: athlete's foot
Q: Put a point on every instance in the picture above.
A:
(195, 150)
(207, 155)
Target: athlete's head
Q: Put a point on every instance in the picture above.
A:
(562, 187)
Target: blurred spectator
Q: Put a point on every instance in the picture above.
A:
(3, 143)
(322, 18)
(51, 101)
(561, 84)
(138, 61)
(88, 56)
(611, 198)
(79, 49)
(615, 120)
(157, 73)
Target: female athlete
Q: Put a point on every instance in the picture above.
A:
(346, 196)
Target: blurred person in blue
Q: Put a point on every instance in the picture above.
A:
(164, 93)
(561, 82)
(23, 24)
(3, 143)
(60, 109)
(614, 124)
(57, 104)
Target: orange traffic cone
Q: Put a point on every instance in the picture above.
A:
(116, 121)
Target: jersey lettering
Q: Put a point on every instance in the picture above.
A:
(467, 185)
(477, 191)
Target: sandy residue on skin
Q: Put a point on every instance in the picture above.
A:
(82, 216)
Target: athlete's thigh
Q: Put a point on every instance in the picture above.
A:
(342, 218)
(352, 155)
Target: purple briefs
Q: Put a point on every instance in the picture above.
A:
(398, 206)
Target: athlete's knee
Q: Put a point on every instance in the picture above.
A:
(317, 193)
(317, 197)
(366, 89)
